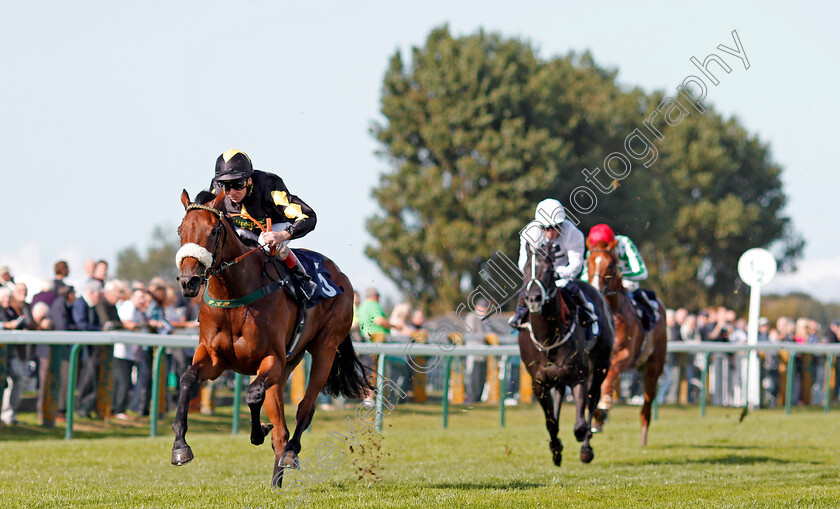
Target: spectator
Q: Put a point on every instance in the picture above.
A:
(372, 318)
(6, 278)
(355, 333)
(14, 314)
(86, 319)
(475, 367)
(107, 308)
(100, 271)
(90, 267)
(41, 315)
(61, 270)
(399, 319)
(418, 320)
(62, 319)
(133, 317)
(157, 321)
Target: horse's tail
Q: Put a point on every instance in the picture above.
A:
(347, 376)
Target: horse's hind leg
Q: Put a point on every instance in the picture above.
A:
(322, 360)
(201, 369)
(652, 372)
(280, 435)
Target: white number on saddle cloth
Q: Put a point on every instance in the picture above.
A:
(328, 290)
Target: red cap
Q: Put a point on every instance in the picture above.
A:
(600, 233)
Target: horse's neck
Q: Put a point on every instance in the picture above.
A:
(239, 278)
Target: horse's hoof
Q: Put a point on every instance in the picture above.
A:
(182, 456)
(259, 438)
(599, 415)
(277, 480)
(289, 460)
(587, 454)
(557, 454)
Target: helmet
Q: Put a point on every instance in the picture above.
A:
(550, 213)
(600, 233)
(232, 165)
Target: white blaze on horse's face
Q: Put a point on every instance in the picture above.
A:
(597, 273)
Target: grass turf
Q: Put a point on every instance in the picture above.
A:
(767, 460)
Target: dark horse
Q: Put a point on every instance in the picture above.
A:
(557, 354)
(253, 339)
(633, 348)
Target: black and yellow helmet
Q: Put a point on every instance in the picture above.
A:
(233, 165)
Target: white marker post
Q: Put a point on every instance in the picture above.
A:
(757, 267)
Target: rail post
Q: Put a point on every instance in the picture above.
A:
(445, 402)
(827, 382)
(71, 390)
(380, 388)
(237, 398)
(789, 385)
(154, 411)
(704, 383)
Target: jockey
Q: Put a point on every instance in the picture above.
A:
(632, 267)
(263, 195)
(567, 243)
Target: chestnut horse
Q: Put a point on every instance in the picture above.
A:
(252, 339)
(632, 348)
(557, 354)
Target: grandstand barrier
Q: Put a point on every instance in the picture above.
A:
(401, 348)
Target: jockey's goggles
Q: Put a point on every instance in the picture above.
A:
(234, 184)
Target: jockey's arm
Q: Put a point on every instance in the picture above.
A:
(288, 209)
(575, 248)
(633, 267)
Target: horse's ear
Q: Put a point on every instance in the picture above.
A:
(612, 244)
(588, 245)
(217, 201)
(185, 198)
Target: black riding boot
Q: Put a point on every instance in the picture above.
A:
(650, 309)
(306, 285)
(589, 319)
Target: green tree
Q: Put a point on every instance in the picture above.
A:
(478, 129)
(158, 261)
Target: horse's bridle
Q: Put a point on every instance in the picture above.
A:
(534, 308)
(217, 230)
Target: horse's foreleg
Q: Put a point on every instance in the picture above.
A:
(619, 363)
(652, 371)
(268, 374)
(583, 426)
(201, 369)
(550, 399)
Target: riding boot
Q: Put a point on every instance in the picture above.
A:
(649, 308)
(590, 318)
(305, 283)
(515, 321)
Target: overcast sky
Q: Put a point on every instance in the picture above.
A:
(108, 110)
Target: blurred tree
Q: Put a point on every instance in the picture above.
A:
(478, 129)
(159, 259)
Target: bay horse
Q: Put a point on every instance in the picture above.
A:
(633, 348)
(557, 354)
(253, 339)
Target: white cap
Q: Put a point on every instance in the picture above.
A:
(550, 213)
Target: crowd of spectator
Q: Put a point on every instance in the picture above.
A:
(727, 371)
(102, 304)
(98, 304)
